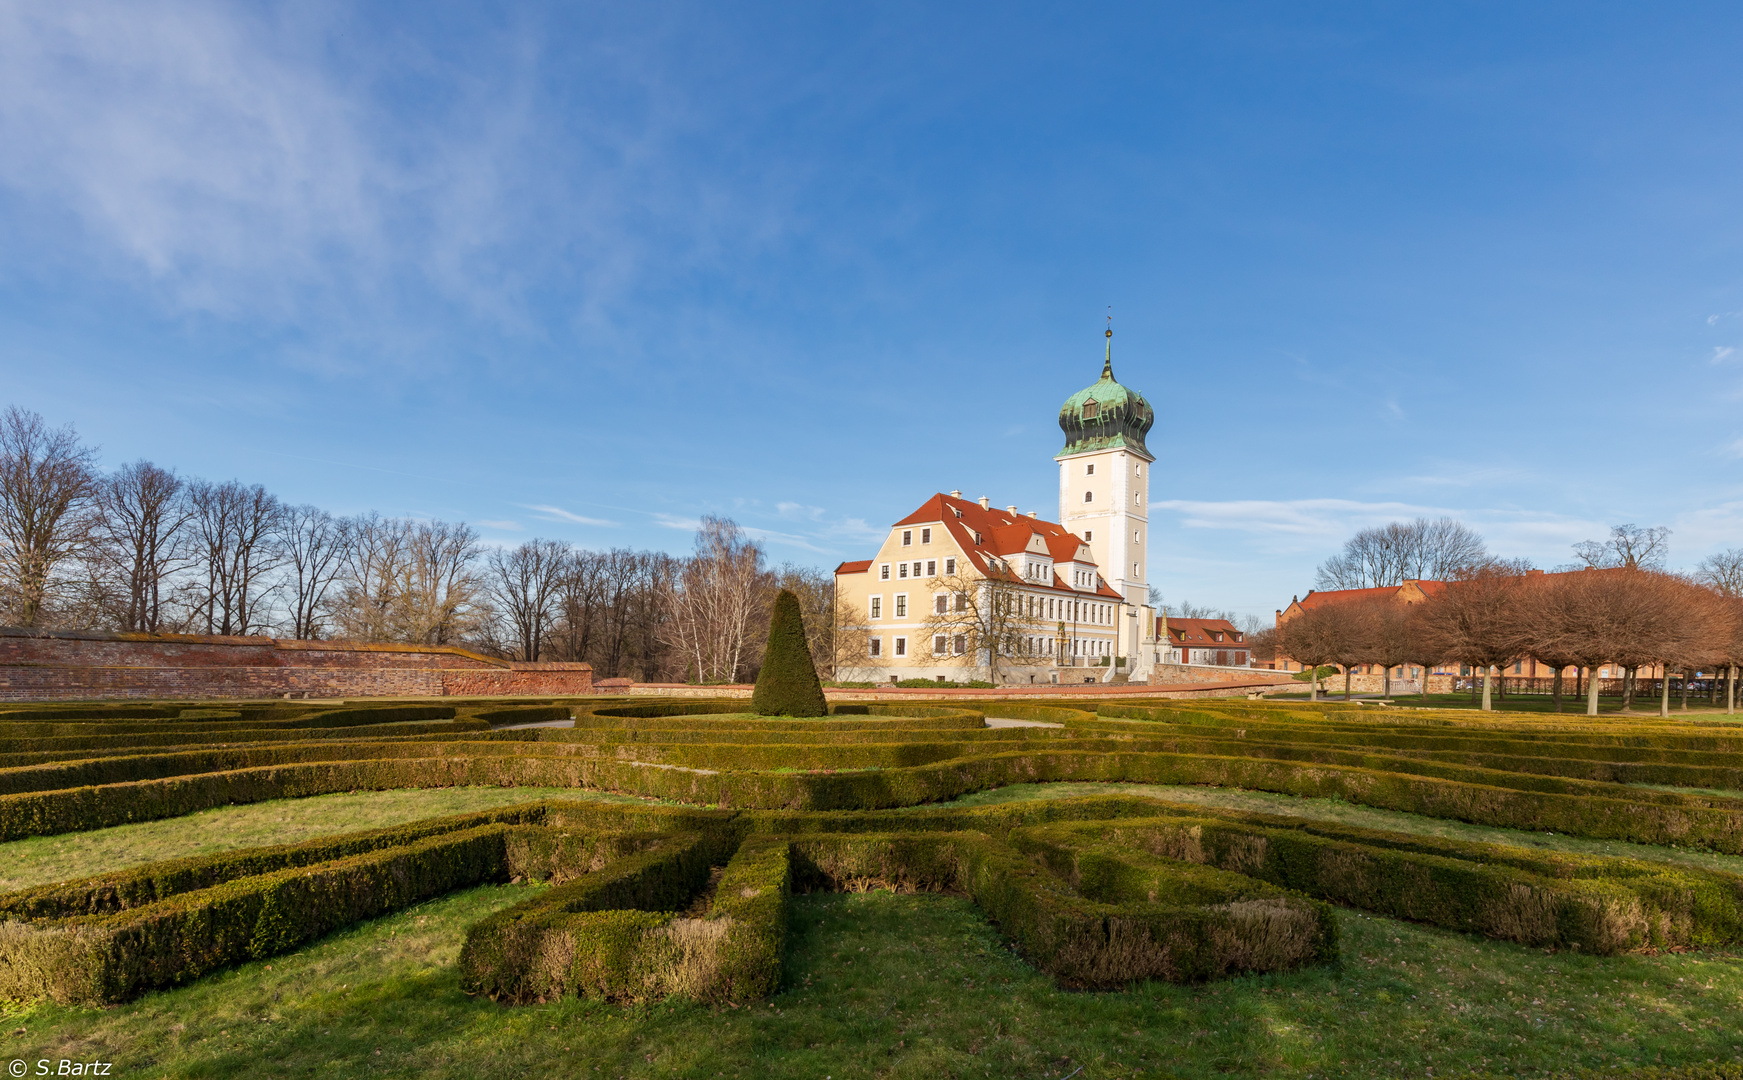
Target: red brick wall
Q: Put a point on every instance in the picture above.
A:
(77, 666)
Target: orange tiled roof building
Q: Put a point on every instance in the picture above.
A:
(961, 590)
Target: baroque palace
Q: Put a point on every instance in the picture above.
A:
(962, 590)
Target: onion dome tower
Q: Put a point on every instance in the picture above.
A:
(1104, 486)
(1106, 415)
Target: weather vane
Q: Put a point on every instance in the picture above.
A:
(1110, 320)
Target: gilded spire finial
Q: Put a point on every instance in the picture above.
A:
(1107, 367)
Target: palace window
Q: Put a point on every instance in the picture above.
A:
(901, 569)
(931, 567)
(959, 645)
(877, 607)
(940, 604)
(884, 572)
(916, 569)
(962, 601)
(901, 646)
(949, 566)
(940, 644)
(901, 605)
(907, 537)
(877, 646)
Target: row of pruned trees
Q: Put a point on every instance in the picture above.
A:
(143, 549)
(1629, 617)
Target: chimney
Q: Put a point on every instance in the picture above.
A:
(956, 494)
(1011, 510)
(985, 502)
(1031, 513)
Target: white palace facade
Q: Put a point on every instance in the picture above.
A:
(961, 590)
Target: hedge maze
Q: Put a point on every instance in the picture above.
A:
(687, 893)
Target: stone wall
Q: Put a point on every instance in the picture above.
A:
(42, 665)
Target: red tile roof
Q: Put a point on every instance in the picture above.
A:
(858, 566)
(1199, 631)
(1004, 534)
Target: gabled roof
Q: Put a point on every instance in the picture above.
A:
(858, 566)
(1198, 631)
(1005, 535)
(1339, 596)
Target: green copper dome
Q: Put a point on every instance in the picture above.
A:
(1106, 416)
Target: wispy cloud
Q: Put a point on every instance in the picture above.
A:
(1732, 449)
(1721, 353)
(1714, 320)
(557, 513)
(1303, 517)
(500, 526)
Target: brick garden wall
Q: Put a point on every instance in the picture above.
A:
(38, 665)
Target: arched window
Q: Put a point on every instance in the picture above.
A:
(1089, 496)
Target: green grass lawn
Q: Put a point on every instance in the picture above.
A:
(893, 986)
(39, 860)
(880, 985)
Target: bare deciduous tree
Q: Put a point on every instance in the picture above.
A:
(715, 601)
(47, 480)
(142, 519)
(1723, 573)
(1388, 555)
(1314, 637)
(526, 582)
(989, 622)
(1476, 621)
(1628, 546)
(234, 532)
(314, 544)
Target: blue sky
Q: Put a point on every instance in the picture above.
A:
(590, 271)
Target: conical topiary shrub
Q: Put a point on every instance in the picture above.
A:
(787, 684)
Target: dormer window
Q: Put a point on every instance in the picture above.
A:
(1090, 409)
(955, 511)
(977, 539)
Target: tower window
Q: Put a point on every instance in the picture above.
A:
(1089, 496)
(1135, 536)
(1089, 470)
(1088, 535)
(1090, 409)
(1134, 569)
